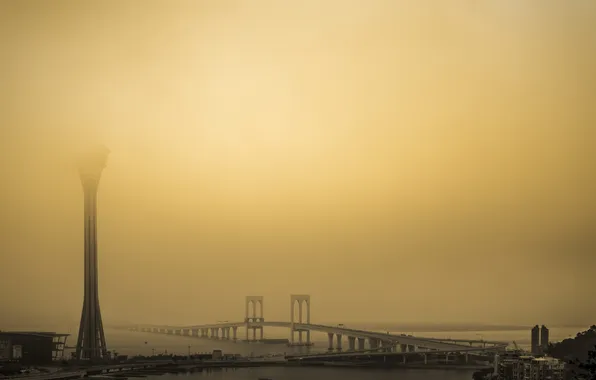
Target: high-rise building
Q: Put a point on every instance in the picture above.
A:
(535, 340)
(544, 339)
(91, 342)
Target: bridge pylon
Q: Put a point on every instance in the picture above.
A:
(256, 317)
(302, 300)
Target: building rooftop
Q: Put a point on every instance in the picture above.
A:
(547, 359)
(34, 333)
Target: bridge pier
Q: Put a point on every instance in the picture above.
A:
(186, 332)
(255, 318)
(361, 344)
(373, 343)
(330, 337)
(338, 336)
(301, 299)
(386, 346)
(351, 343)
(195, 333)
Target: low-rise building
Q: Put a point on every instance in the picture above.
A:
(526, 367)
(31, 348)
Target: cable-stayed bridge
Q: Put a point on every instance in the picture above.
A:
(300, 327)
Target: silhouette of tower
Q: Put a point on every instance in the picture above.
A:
(535, 340)
(91, 343)
(544, 332)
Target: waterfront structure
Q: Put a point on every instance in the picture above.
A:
(521, 367)
(91, 341)
(544, 332)
(303, 302)
(256, 302)
(535, 340)
(32, 348)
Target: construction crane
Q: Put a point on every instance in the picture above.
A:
(517, 348)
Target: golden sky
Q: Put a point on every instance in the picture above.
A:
(397, 160)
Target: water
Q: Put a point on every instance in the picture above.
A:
(134, 343)
(323, 374)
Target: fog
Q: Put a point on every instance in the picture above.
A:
(396, 160)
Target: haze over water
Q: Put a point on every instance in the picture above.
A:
(398, 161)
(129, 343)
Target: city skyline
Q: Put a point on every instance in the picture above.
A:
(413, 162)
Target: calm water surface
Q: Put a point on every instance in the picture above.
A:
(321, 374)
(131, 343)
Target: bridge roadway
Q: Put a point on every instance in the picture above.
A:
(381, 353)
(448, 345)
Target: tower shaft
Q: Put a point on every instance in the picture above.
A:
(91, 342)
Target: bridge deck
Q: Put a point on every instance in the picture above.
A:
(431, 343)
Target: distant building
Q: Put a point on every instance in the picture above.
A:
(31, 348)
(516, 367)
(535, 340)
(544, 338)
(217, 355)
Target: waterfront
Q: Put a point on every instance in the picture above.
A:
(322, 373)
(135, 343)
(131, 343)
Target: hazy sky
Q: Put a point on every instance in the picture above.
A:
(413, 160)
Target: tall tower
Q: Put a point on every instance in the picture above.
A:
(91, 343)
(535, 340)
(544, 332)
